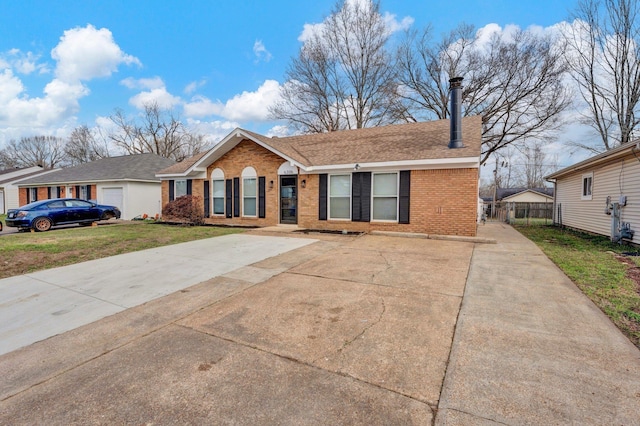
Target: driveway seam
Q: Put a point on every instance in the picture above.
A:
(432, 407)
(76, 291)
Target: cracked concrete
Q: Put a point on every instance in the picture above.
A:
(307, 337)
(313, 337)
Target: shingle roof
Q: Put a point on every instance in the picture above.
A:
(140, 167)
(508, 192)
(24, 176)
(399, 142)
(183, 165)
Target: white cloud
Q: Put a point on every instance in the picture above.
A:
(159, 96)
(393, 25)
(88, 53)
(247, 106)
(143, 83)
(193, 86)
(23, 63)
(214, 131)
(279, 130)
(261, 52)
(309, 31)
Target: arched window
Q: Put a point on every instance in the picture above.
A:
(217, 185)
(249, 192)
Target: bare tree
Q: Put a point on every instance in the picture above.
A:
(44, 151)
(159, 131)
(535, 165)
(85, 145)
(343, 77)
(603, 46)
(514, 83)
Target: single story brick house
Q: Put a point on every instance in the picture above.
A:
(416, 177)
(127, 182)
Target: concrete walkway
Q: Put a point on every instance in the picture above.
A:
(42, 304)
(345, 330)
(530, 348)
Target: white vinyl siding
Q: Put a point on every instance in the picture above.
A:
(385, 196)
(613, 180)
(340, 197)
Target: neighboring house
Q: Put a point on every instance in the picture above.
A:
(9, 189)
(399, 178)
(128, 182)
(526, 202)
(600, 194)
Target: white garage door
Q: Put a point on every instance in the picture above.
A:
(112, 197)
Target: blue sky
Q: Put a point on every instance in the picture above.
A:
(217, 63)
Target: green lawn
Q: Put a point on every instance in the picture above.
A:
(28, 251)
(595, 265)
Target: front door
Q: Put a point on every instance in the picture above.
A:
(289, 199)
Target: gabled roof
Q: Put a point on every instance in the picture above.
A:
(402, 145)
(502, 193)
(14, 175)
(545, 192)
(610, 155)
(139, 167)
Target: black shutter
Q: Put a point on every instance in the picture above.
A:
(262, 197)
(236, 197)
(28, 195)
(361, 197)
(58, 191)
(77, 193)
(48, 192)
(228, 194)
(405, 191)
(206, 198)
(171, 190)
(322, 201)
(88, 192)
(189, 187)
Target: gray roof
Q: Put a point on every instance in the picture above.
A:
(139, 167)
(508, 192)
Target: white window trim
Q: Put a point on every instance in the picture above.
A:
(584, 196)
(218, 175)
(329, 197)
(175, 188)
(249, 173)
(33, 191)
(397, 196)
(213, 198)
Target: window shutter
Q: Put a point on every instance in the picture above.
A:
(228, 195)
(361, 197)
(171, 190)
(206, 198)
(262, 197)
(236, 197)
(48, 192)
(322, 201)
(88, 192)
(405, 191)
(58, 191)
(189, 186)
(77, 191)
(28, 195)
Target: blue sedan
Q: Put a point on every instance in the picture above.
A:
(42, 215)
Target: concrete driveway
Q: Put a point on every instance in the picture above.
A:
(42, 304)
(345, 330)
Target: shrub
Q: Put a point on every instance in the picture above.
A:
(186, 209)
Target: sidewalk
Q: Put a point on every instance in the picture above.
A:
(530, 348)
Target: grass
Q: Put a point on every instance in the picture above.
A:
(594, 264)
(27, 252)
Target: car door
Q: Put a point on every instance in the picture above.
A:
(58, 211)
(85, 211)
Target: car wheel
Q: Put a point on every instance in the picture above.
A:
(42, 224)
(107, 216)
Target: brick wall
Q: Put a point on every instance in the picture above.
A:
(442, 201)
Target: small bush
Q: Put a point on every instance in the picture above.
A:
(186, 209)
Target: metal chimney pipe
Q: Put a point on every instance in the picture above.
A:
(455, 93)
